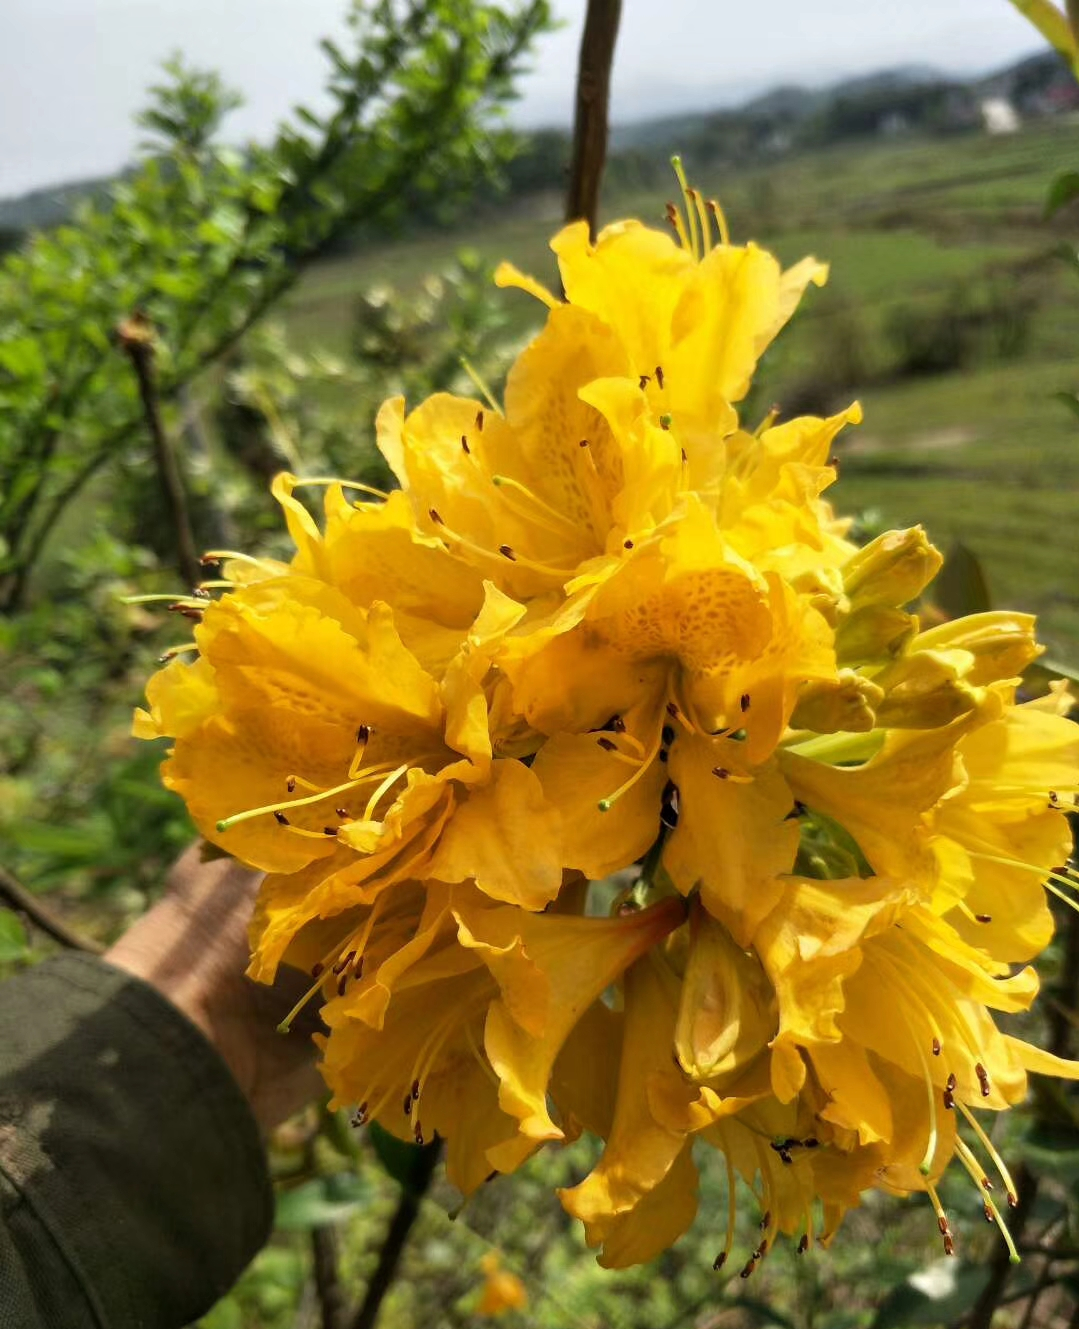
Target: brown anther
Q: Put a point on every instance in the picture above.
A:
(721, 773)
(664, 756)
(342, 812)
(417, 1134)
(803, 1245)
(949, 1244)
(744, 702)
(408, 1105)
(987, 1211)
(491, 1176)
(415, 1088)
(936, 1047)
(207, 562)
(342, 984)
(983, 918)
(748, 1270)
(479, 421)
(433, 514)
(762, 1250)
(344, 962)
(363, 733)
(811, 1143)
(644, 381)
(290, 784)
(949, 1099)
(360, 1119)
(616, 725)
(659, 375)
(719, 1261)
(951, 1083)
(983, 1079)
(766, 1220)
(1012, 1199)
(987, 1185)
(785, 1156)
(942, 1223)
(685, 457)
(672, 710)
(317, 968)
(507, 552)
(583, 443)
(799, 810)
(607, 745)
(672, 215)
(280, 818)
(330, 830)
(464, 446)
(627, 544)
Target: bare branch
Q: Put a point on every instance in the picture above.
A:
(593, 101)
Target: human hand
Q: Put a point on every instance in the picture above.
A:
(192, 947)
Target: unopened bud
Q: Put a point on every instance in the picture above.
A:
(892, 569)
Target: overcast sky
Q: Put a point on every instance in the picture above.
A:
(73, 72)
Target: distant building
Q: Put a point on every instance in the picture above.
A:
(999, 116)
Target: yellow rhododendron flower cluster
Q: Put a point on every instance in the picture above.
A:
(603, 784)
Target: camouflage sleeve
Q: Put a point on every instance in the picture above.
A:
(133, 1183)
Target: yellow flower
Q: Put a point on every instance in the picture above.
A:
(446, 1014)
(306, 732)
(502, 1289)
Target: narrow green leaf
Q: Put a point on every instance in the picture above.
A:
(409, 1165)
(1063, 190)
(961, 587)
(320, 1202)
(13, 940)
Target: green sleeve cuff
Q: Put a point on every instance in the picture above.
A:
(134, 1155)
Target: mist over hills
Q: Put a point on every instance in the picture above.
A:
(789, 117)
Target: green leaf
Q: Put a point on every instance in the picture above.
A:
(320, 1202)
(410, 1165)
(1070, 400)
(961, 587)
(1053, 1150)
(1063, 190)
(226, 1314)
(13, 939)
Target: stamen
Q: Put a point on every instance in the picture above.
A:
(721, 221)
(234, 820)
(691, 212)
(481, 386)
(702, 217)
(345, 484)
(605, 804)
(386, 784)
(675, 219)
(1011, 1194)
(970, 1163)
(659, 376)
(189, 601)
(174, 651)
(555, 519)
(732, 1214)
(942, 1219)
(505, 551)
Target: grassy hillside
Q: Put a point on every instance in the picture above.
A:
(946, 238)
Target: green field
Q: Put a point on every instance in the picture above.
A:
(984, 454)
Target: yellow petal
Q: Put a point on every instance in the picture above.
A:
(506, 836)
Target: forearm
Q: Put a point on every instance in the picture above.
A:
(133, 1183)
